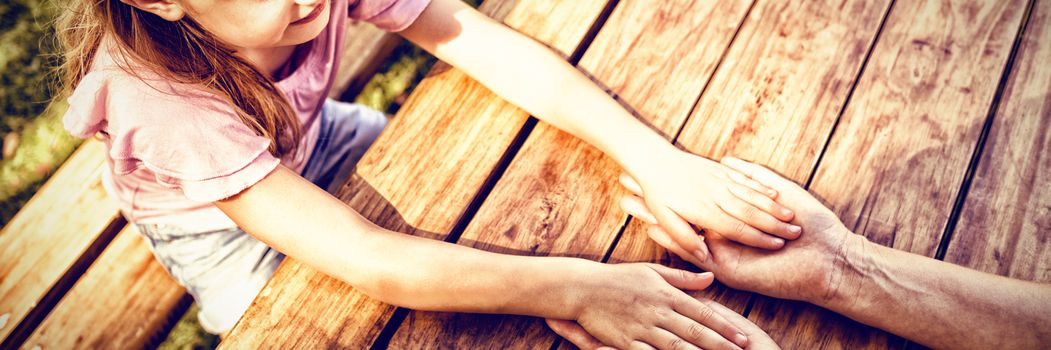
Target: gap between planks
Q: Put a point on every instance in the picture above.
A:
(394, 323)
(839, 116)
(979, 147)
(731, 31)
(43, 308)
(976, 155)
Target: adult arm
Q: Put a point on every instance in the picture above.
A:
(938, 304)
(931, 302)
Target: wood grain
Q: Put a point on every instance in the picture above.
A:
(1005, 226)
(774, 100)
(897, 158)
(52, 231)
(418, 178)
(780, 88)
(559, 195)
(125, 299)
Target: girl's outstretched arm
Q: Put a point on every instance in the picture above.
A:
(620, 304)
(679, 186)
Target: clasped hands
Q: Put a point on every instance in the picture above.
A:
(748, 212)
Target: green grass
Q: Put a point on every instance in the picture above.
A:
(45, 145)
(187, 334)
(25, 62)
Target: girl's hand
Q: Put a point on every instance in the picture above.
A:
(641, 306)
(574, 333)
(810, 270)
(684, 189)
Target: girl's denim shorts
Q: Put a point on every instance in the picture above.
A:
(224, 270)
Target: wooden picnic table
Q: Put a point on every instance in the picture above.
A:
(923, 124)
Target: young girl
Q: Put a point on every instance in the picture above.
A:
(218, 131)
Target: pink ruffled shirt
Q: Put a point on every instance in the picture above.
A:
(173, 149)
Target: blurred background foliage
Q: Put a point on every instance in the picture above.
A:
(24, 62)
(34, 143)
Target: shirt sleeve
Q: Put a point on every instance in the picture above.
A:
(190, 140)
(389, 15)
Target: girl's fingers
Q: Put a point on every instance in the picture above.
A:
(740, 178)
(759, 173)
(680, 231)
(757, 338)
(735, 229)
(629, 183)
(755, 209)
(661, 237)
(700, 335)
(742, 166)
(639, 345)
(760, 201)
(634, 206)
(574, 333)
(666, 340)
(694, 310)
(683, 279)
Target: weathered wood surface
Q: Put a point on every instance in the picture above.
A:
(57, 228)
(1005, 224)
(892, 169)
(774, 99)
(897, 159)
(364, 49)
(571, 207)
(123, 301)
(419, 178)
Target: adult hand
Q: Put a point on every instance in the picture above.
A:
(807, 269)
(574, 333)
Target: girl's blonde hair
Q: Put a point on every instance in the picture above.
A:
(180, 52)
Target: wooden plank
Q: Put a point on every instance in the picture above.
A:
(40, 253)
(364, 49)
(412, 180)
(124, 300)
(898, 157)
(41, 244)
(774, 100)
(1005, 225)
(570, 207)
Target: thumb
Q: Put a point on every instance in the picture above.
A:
(683, 279)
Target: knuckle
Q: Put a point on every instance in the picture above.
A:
(676, 344)
(682, 275)
(770, 205)
(668, 295)
(695, 332)
(705, 314)
(740, 228)
(751, 212)
(655, 310)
